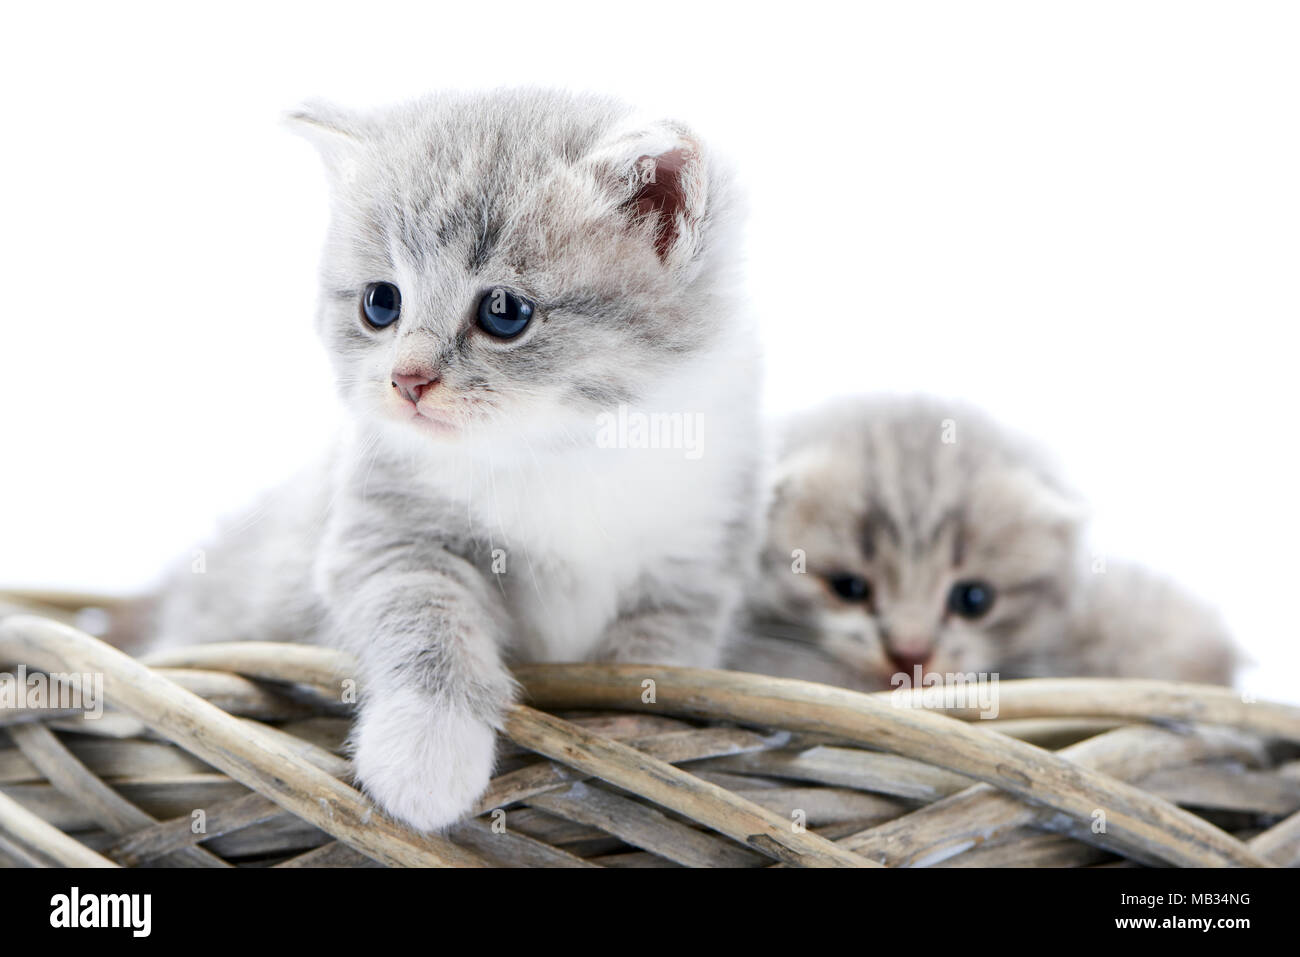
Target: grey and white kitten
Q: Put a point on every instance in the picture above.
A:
(908, 531)
(503, 273)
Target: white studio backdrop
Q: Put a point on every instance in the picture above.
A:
(1080, 216)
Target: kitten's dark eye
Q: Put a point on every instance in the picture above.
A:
(381, 304)
(851, 587)
(503, 314)
(971, 599)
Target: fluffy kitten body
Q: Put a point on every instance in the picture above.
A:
(481, 519)
(911, 531)
(1129, 622)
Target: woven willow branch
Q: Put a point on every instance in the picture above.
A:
(664, 784)
(1136, 821)
(43, 844)
(242, 750)
(638, 778)
(981, 813)
(1136, 700)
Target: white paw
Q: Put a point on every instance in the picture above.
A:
(423, 764)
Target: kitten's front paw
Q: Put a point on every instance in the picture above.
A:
(423, 764)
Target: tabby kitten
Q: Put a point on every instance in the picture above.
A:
(910, 533)
(504, 273)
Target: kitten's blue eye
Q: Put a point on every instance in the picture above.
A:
(381, 304)
(503, 314)
(851, 587)
(971, 599)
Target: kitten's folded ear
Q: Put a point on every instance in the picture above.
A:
(660, 179)
(1048, 505)
(335, 132)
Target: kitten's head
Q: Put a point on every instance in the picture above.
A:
(908, 532)
(507, 265)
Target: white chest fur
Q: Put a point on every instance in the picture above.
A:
(573, 538)
(574, 532)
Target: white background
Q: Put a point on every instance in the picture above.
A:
(1085, 217)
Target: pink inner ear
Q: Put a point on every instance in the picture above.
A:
(663, 197)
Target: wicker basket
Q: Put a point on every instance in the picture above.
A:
(233, 754)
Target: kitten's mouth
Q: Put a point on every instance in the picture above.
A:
(433, 422)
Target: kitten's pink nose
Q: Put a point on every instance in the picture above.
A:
(412, 385)
(906, 657)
